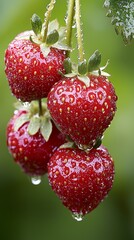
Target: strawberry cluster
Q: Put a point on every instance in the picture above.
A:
(64, 111)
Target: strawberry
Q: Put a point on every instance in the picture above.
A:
(31, 152)
(30, 72)
(81, 179)
(80, 111)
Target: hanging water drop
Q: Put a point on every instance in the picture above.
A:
(26, 104)
(36, 180)
(77, 216)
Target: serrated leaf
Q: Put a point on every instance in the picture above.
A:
(46, 128)
(20, 121)
(52, 38)
(85, 80)
(67, 65)
(82, 67)
(94, 61)
(36, 24)
(45, 49)
(122, 17)
(34, 125)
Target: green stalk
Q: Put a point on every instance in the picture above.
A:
(69, 22)
(79, 30)
(47, 17)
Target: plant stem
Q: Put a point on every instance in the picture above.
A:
(47, 17)
(79, 30)
(40, 107)
(69, 22)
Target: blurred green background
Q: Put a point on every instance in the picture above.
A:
(34, 212)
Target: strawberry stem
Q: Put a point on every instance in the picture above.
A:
(79, 30)
(47, 18)
(40, 107)
(69, 22)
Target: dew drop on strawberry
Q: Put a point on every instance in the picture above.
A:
(81, 179)
(36, 180)
(32, 152)
(83, 113)
(77, 216)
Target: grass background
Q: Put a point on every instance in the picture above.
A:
(30, 212)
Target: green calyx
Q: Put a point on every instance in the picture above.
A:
(79, 71)
(36, 122)
(82, 67)
(85, 68)
(98, 143)
(94, 61)
(52, 38)
(69, 144)
(36, 24)
(67, 65)
(55, 36)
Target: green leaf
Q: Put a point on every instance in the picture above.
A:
(70, 75)
(22, 105)
(36, 24)
(34, 125)
(46, 128)
(67, 65)
(82, 67)
(61, 46)
(52, 38)
(98, 143)
(62, 34)
(44, 49)
(100, 71)
(20, 121)
(97, 73)
(94, 61)
(67, 145)
(85, 80)
(53, 25)
(121, 13)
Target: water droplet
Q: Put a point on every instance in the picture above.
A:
(74, 24)
(77, 216)
(26, 104)
(107, 3)
(36, 180)
(65, 19)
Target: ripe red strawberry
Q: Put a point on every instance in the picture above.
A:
(30, 74)
(83, 112)
(81, 180)
(32, 153)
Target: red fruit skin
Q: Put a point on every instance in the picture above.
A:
(32, 153)
(29, 73)
(83, 112)
(81, 180)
